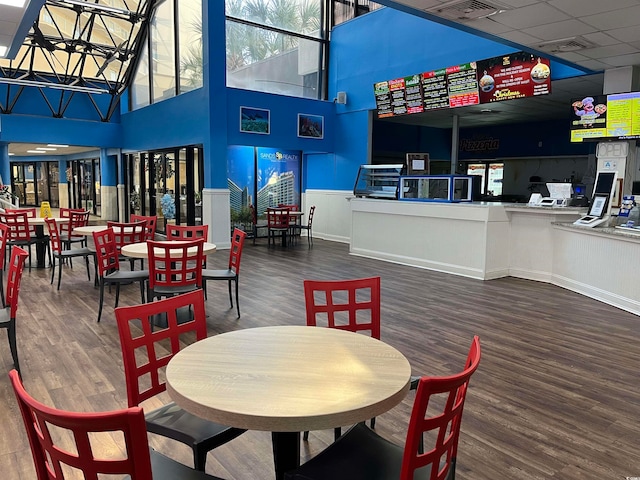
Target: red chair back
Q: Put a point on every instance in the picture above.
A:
(352, 305)
(136, 336)
(237, 244)
(152, 222)
(4, 236)
(50, 447)
(187, 232)
(31, 212)
(54, 235)
(106, 251)
(18, 223)
(175, 264)
(441, 422)
(14, 277)
(311, 212)
(278, 218)
(128, 233)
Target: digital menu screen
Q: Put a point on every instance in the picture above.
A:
(494, 79)
(462, 85)
(614, 116)
(513, 76)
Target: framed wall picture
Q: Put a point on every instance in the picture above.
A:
(310, 126)
(255, 120)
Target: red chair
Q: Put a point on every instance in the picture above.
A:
(151, 224)
(62, 255)
(21, 233)
(277, 224)
(307, 227)
(188, 232)
(175, 267)
(77, 218)
(233, 272)
(352, 305)
(8, 313)
(128, 233)
(108, 267)
(4, 236)
(170, 420)
(71, 443)
(361, 454)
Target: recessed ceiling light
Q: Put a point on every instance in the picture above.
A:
(3, 50)
(11, 154)
(13, 3)
(35, 151)
(56, 145)
(46, 149)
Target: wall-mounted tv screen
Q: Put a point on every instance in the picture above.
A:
(615, 116)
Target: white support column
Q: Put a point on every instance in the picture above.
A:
(216, 207)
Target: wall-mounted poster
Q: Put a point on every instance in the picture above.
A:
(310, 126)
(254, 120)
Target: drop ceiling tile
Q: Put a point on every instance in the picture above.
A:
(624, 60)
(530, 16)
(594, 65)
(521, 38)
(590, 7)
(600, 38)
(571, 56)
(626, 17)
(488, 25)
(517, 3)
(422, 4)
(608, 51)
(558, 30)
(628, 34)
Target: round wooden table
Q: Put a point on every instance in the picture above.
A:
(288, 379)
(139, 250)
(88, 230)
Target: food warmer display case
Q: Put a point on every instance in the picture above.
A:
(378, 181)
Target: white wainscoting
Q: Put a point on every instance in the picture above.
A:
(332, 218)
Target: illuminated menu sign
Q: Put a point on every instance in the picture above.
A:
(513, 76)
(462, 85)
(615, 116)
(495, 79)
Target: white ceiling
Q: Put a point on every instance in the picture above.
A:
(555, 28)
(21, 150)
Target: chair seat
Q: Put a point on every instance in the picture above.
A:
(76, 252)
(126, 276)
(177, 290)
(5, 316)
(218, 274)
(360, 454)
(164, 468)
(173, 422)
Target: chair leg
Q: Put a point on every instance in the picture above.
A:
(199, 459)
(204, 288)
(337, 433)
(117, 294)
(86, 259)
(101, 300)
(53, 271)
(13, 346)
(2, 287)
(305, 436)
(237, 301)
(230, 297)
(142, 291)
(373, 423)
(59, 271)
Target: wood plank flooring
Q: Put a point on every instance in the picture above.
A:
(556, 396)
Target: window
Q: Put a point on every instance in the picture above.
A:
(277, 46)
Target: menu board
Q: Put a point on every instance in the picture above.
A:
(494, 79)
(462, 85)
(513, 76)
(434, 89)
(383, 99)
(615, 116)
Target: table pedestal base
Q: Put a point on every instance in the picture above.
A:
(286, 452)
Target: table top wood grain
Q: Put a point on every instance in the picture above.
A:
(288, 378)
(139, 250)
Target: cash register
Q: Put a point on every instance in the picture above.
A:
(600, 203)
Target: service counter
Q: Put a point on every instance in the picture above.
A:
(486, 240)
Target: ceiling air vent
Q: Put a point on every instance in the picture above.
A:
(564, 45)
(466, 10)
